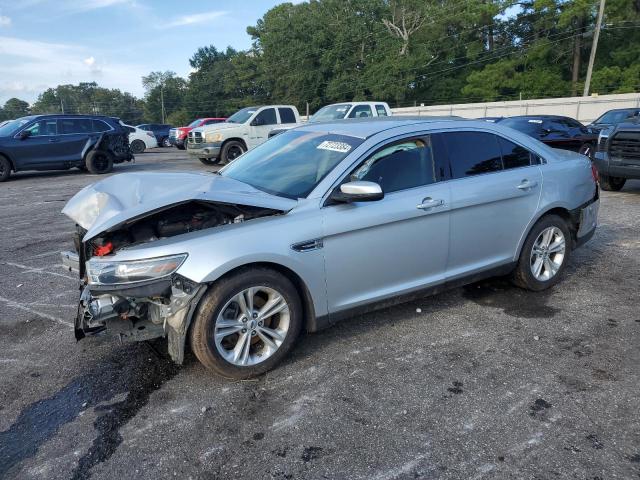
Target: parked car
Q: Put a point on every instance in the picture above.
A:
(612, 118)
(618, 155)
(318, 223)
(178, 136)
(242, 131)
(556, 131)
(60, 142)
(339, 111)
(140, 139)
(160, 131)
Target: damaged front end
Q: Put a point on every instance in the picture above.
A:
(144, 298)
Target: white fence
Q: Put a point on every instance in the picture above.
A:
(584, 109)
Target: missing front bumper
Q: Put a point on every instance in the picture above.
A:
(118, 314)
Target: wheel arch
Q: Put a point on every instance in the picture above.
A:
(10, 160)
(234, 139)
(308, 308)
(560, 210)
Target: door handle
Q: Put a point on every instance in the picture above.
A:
(527, 185)
(429, 203)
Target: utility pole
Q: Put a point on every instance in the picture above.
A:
(61, 106)
(162, 100)
(594, 47)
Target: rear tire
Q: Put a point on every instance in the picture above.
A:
(587, 149)
(99, 162)
(232, 150)
(5, 169)
(612, 184)
(209, 161)
(275, 335)
(137, 146)
(543, 259)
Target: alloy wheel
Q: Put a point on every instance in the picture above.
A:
(547, 254)
(252, 326)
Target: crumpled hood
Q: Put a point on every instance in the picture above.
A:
(110, 202)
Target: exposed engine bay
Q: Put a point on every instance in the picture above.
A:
(148, 309)
(176, 220)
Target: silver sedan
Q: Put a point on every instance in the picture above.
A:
(319, 223)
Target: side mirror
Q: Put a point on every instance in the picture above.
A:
(358, 191)
(256, 122)
(25, 134)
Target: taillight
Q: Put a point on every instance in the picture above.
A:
(594, 172)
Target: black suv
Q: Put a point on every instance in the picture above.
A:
(618, 156)
(60, 142)
(160, 131)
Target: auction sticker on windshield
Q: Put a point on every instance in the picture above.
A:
(334, 146)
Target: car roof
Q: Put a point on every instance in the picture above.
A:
(538, 116)
(367, 127)
(69, 115)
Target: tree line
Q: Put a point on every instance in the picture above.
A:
(402, 51)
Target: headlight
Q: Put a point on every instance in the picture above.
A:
(212, 137)
(104, 272)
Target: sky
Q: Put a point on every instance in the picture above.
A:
(44, 43)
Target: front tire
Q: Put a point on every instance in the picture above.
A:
(5, 169)
(544, 255)
(137, 146)
(612, 184)
(246, 324)
(232, 150)
(165, 142)
(99, 162)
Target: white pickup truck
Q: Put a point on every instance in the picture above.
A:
(242, 131)
(340, 111)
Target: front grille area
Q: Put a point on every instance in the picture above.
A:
(625, 146)
(195, 137)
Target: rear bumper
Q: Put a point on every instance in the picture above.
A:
(586, 216)
(616, 168)
(204, 150)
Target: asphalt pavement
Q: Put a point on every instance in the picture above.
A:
(485, 381)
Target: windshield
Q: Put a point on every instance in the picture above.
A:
(331, 112)
(195, 123)
(614, 117)
(241, 116)
(530, 126)
(291, 164)
(13, 125)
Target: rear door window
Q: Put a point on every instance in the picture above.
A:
(287, 115)
(68, 126)
(472, 153)
(99, 126)
(361, 111)
(399, 166)
(381, 110)
(513, 156)
(267, 117)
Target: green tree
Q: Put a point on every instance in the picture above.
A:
(165, 92)
(15, 108)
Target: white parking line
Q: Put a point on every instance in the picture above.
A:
(28, 269)
(24, 308)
